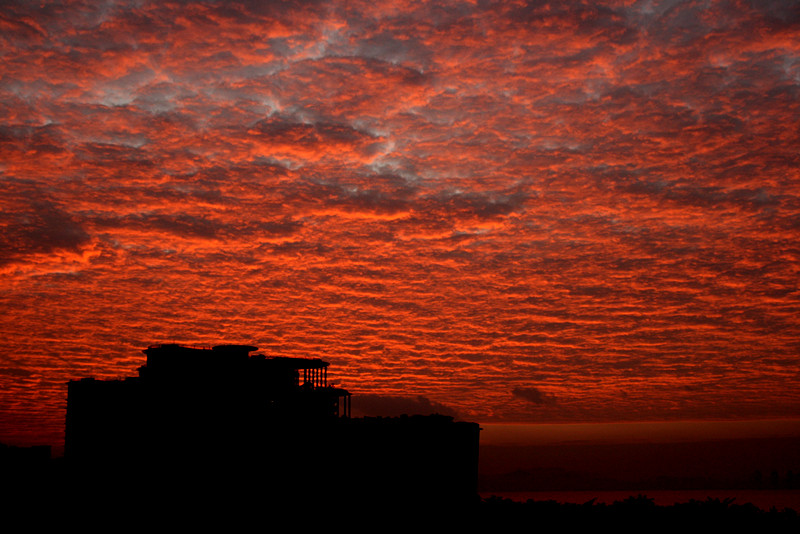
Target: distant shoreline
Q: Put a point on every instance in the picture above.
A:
(763, 499)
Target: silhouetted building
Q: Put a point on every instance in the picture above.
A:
(206, 418)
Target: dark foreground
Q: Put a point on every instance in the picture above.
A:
(638, 513)
(46, 493)
(241, 508)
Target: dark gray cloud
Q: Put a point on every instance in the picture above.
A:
(15, 372)
(33, 224)
(533, 395)
(188, 226)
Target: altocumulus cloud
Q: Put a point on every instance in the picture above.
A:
(585, 206)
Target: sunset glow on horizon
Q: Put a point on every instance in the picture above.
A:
(506, 211)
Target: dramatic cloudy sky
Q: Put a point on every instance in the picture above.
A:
(566, 211)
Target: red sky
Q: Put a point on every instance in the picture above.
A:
(515, 212)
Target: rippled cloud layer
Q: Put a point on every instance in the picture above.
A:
(510, 211)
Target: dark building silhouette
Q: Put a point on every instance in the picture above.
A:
(199, 420)
(212, 398)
